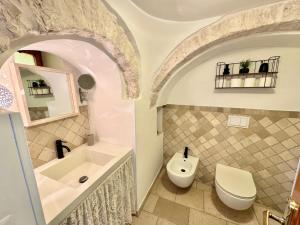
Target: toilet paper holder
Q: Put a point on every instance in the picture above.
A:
(291, 215)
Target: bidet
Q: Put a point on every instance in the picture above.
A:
(181, 171)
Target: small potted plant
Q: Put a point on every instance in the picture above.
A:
(42, 83)
(244, 69)
(226, 70)
(225, 82)
(244, 66)
(237, 81)
(265, 81)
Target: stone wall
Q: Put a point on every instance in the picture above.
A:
(269, 148)
(278, 17)
(41, 139)
(24, 22)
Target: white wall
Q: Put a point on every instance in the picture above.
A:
(111, 117)
(155, 38)
(196, 86)
(52, 61)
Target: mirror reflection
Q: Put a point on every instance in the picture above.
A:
(45, 87)
(47, 92)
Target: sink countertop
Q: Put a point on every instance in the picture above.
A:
(58, 199)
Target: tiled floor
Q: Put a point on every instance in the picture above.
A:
(198, 205)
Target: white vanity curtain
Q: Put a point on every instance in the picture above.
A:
(112, 203)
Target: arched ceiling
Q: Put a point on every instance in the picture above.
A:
(25, 22)
(85, 58)
(280, 17)
(189, 10)
(288, 40)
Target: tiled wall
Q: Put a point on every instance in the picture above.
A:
(41, 139)
(37, 113)
(269, 148)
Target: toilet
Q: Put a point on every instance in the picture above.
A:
(181, 171)
(235, 187)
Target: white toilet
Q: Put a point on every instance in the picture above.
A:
(181, 171)
(235, 187)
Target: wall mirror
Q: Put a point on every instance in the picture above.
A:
(44, 94)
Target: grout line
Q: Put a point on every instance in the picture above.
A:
(203, 201)
(226, 220)
(155, 205)
(255, 215)
(156, 220)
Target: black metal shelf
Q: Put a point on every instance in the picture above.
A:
(255, 78)
(243, 87)
(37, 89)
(247, 75)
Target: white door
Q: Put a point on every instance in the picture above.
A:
(19, 199)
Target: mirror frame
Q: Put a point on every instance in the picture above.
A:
(22, 101)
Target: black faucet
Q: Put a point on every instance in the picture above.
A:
(60, 148)
(186, 151)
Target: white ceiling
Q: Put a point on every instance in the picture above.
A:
(189, 10)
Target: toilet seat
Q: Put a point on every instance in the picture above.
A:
(233, 195)
(236, 182)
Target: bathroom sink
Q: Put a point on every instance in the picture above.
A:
(76, 165)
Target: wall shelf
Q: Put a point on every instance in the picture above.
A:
(262, 74)
(39, 88)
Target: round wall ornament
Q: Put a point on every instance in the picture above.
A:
(6, 97)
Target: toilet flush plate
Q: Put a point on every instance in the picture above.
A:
(238, 121)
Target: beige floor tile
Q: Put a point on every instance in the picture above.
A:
(258, 210)
(150, 203)
(197, 218)
(166, 189)
(190, 197)
(153, 189)
(214, 206)
(171, 205)
(145, 219)
(163, 173)
(204, 187)
(172, 211)
(194, 184)
(162, 221)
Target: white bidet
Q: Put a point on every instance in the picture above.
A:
(181, 171)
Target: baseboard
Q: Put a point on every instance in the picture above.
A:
(139, 209)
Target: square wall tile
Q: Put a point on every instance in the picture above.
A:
(269, 148)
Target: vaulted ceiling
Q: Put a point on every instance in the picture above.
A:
(189, 10)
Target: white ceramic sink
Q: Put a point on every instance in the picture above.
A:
(75, 165)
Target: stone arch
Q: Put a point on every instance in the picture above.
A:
(26, 21)
(278, 17)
